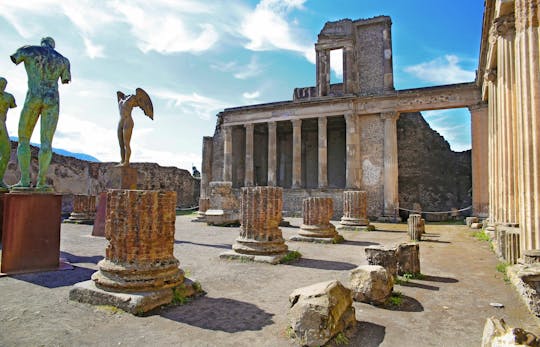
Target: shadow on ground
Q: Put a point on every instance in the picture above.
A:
(322, 264)
(359, 243)
(223, 245)
(56, 279)
(72, 258)
(367, 335)
(408, 304)
(418, 285)
(430, 278)
(221, 314)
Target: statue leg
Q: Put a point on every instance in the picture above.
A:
(121, 141)
(5, 153)
(49, 119)
(128, 130)
(27, 122)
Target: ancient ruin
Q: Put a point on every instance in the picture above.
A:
(84, 209)
(354, 211)
(316, 226)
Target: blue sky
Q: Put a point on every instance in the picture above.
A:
(195, 58)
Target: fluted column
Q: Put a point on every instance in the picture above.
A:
(491, 78)
(354, 208)
(479, 160)
(528, 94)
(297, 153)
(353, 170)
(227, 153)
(272, 153)
(249, 176)
(84, 209)
(323, 153)
(391, 199)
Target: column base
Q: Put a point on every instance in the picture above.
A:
(269, 259)
(262, 248)
(336, 239)
(80, 218)
(368, 227)
(349, 221)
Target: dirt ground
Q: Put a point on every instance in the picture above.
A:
(246, 303)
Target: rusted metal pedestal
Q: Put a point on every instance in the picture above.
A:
(31, 232)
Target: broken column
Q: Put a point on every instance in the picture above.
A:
(385, 257)
(223, 208)
(84, 210)
(316, 226)
(408, 259)
(260, 237)
(415, 226)
(354, 211)
(139, 269)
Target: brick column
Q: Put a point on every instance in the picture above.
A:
(391, 198)
(272, 154)
(249, 179)
(227, 153)
(323, 153)
(480, 146)
(297, 153)
(353, 168)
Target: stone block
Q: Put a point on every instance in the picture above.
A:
(526, 279)
(223, 208)
(123, 177)
(408, 259)
(385, 257)
(498, 334)
(471, 220)
(320, 311)
(371, 284)
(476, 226)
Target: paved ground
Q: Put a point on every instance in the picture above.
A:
(246, 303)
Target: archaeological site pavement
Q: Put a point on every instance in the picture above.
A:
(247, 303)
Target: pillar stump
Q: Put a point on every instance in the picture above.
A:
(316, 225)
(223, 209)
(139, 263)
(31, 233)
(260, 237)
(354, 211)
(204, 205)
(84, 210)
(415, 226)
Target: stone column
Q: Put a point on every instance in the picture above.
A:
(297, 154)
(272, 154)
(528, 94)
(388, 82)
(260, 237)
(227, 153)
(249, 179)
(479, 160)
(354, 210)
(349, 71)
(490, 78)
(391, 198)
(206, 169)
(204, 205)
(323, 72)
(323, 153)
(84, 209)
(316, 225)
(353, 169)
(140, 231)
(415, 226)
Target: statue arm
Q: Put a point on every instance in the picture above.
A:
(12, 103)
(66, 74)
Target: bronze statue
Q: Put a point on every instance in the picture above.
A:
(126, 103)
(44, 66)
(7, 101)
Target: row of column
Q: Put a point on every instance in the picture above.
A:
(353, 156)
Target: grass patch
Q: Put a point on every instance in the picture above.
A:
(370, 227)
(289, 332)
(291, 256)
(396, 299)
(341, 339)
(110, 309)
(184, 294)
(186, 212)
(338, 239)
(481, 235)
(501, 267)
(399, 280)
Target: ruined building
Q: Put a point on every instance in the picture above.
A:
(332, 137)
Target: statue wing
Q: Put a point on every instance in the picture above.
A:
(120, 95)
(145, 103)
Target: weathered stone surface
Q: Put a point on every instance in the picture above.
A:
(526, 280)
(415, 227)
(408, 258)
(354, 209)
(224, 205)
(498, 334)
(471, 220)
(371, 284)
(476, 226)
(531, 256)
(84, 209)
(385, 257)
(204, 205)
(320, 311)
(316, 225)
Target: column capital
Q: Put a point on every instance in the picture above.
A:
(482, 105)
(272, 124)
(490, 75)
(503, 26)
(390, 115)
(296, 122)
(323, 120)
(349, 116)
(249, 126)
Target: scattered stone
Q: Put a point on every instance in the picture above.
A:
(371, 284)
(320, 311)
(498, 334)
(385, 257)
(408, 259)
(470, 220)
(476, 226)
(496, 304)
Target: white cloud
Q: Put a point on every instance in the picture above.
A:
(192, 104)
(267, 28)
(453, 125)
(252, 95)
(442, 71)
(336, 62)
(92, 50)
(251, 70)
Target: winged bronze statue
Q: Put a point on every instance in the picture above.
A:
(126, 103)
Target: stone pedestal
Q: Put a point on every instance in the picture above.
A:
(354, 211)
(316, 226)
(123, 177)
(31, 232)
(415, 226)
(385, 257)
(84, 210)
(99, 221)
(223, 205)
(408, 259)
(139, 260)
(204, 204)
(260, 237)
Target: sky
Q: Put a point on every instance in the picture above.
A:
(195, 58)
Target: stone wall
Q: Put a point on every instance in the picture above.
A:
(73, 176)
(430, 173)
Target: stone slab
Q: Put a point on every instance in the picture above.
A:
(101, 213)
(368, 227)
(135, 303)
(31, 232)
(300, 238)
(270, 259)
